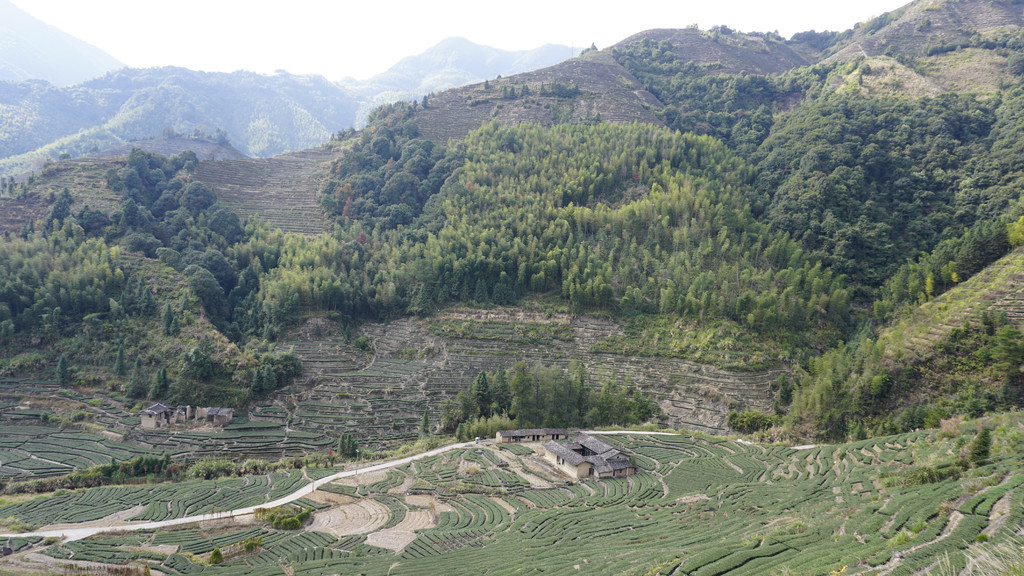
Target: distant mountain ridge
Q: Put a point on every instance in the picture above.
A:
(33, 50)
(456, 61)
(452, 63)
(260, 115)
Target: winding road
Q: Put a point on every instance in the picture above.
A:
(70, 534)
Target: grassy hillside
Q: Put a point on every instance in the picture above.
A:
(590, 87)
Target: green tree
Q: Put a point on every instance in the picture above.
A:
(216, 557)
(197, 363)
(980, 447)
(160, 384)
(425, 424)
(347, 446)
(137, 383)
(264, 381)
(119, 363)
(749, 421)
(1008, 352)
(167, 316)
(481, 392)
(63, 373)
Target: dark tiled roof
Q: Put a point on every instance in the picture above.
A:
(157, 409)
(533, 432)
(591, 443)
(564, 452)
(604, 459)
(620, 463)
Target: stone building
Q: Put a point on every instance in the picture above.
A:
(531, 435)
(584, 456)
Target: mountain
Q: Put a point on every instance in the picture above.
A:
(592, 86)
(741, 202)
(260, 115)
(818, 242)
(929, 47)
(728, 52)
(451, 63)
(33, 50)
(456, 61)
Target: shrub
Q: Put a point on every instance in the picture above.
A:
(749, 421)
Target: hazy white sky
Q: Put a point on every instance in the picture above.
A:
(338, 38)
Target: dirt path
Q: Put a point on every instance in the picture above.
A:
(404, 533)
(112, 520)
(80, 531)
(897, 558)
(364, 515)
(516, 464)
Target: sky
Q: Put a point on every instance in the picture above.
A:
(358, 39)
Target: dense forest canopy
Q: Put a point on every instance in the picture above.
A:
(791, 217)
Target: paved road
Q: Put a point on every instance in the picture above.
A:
(70, 534)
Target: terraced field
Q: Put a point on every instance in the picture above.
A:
(155, 502)
(700, 505)
(85, 179)
(418, 364)
(31, 447)
(283, 190)
(609, 91)
(999, 288)
(28, 451)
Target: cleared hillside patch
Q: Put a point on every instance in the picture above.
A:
(282, 190)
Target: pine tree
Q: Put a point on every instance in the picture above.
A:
(481, 391)
(137, 385)
(981, 447)
(119, 367)
(425, 425)
(264, 380)
(347, 446)
(216, 557)
(63, 372)
(168, 318)
(147, 303)
(160, 384)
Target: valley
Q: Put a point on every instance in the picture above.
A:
(782, 276)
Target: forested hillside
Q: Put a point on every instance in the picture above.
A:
(737, 201)
(260, 115)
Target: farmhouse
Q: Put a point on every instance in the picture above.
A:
(161, 415)
(157, 416)
(531, 435)
(216, 416)
(587, 457)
